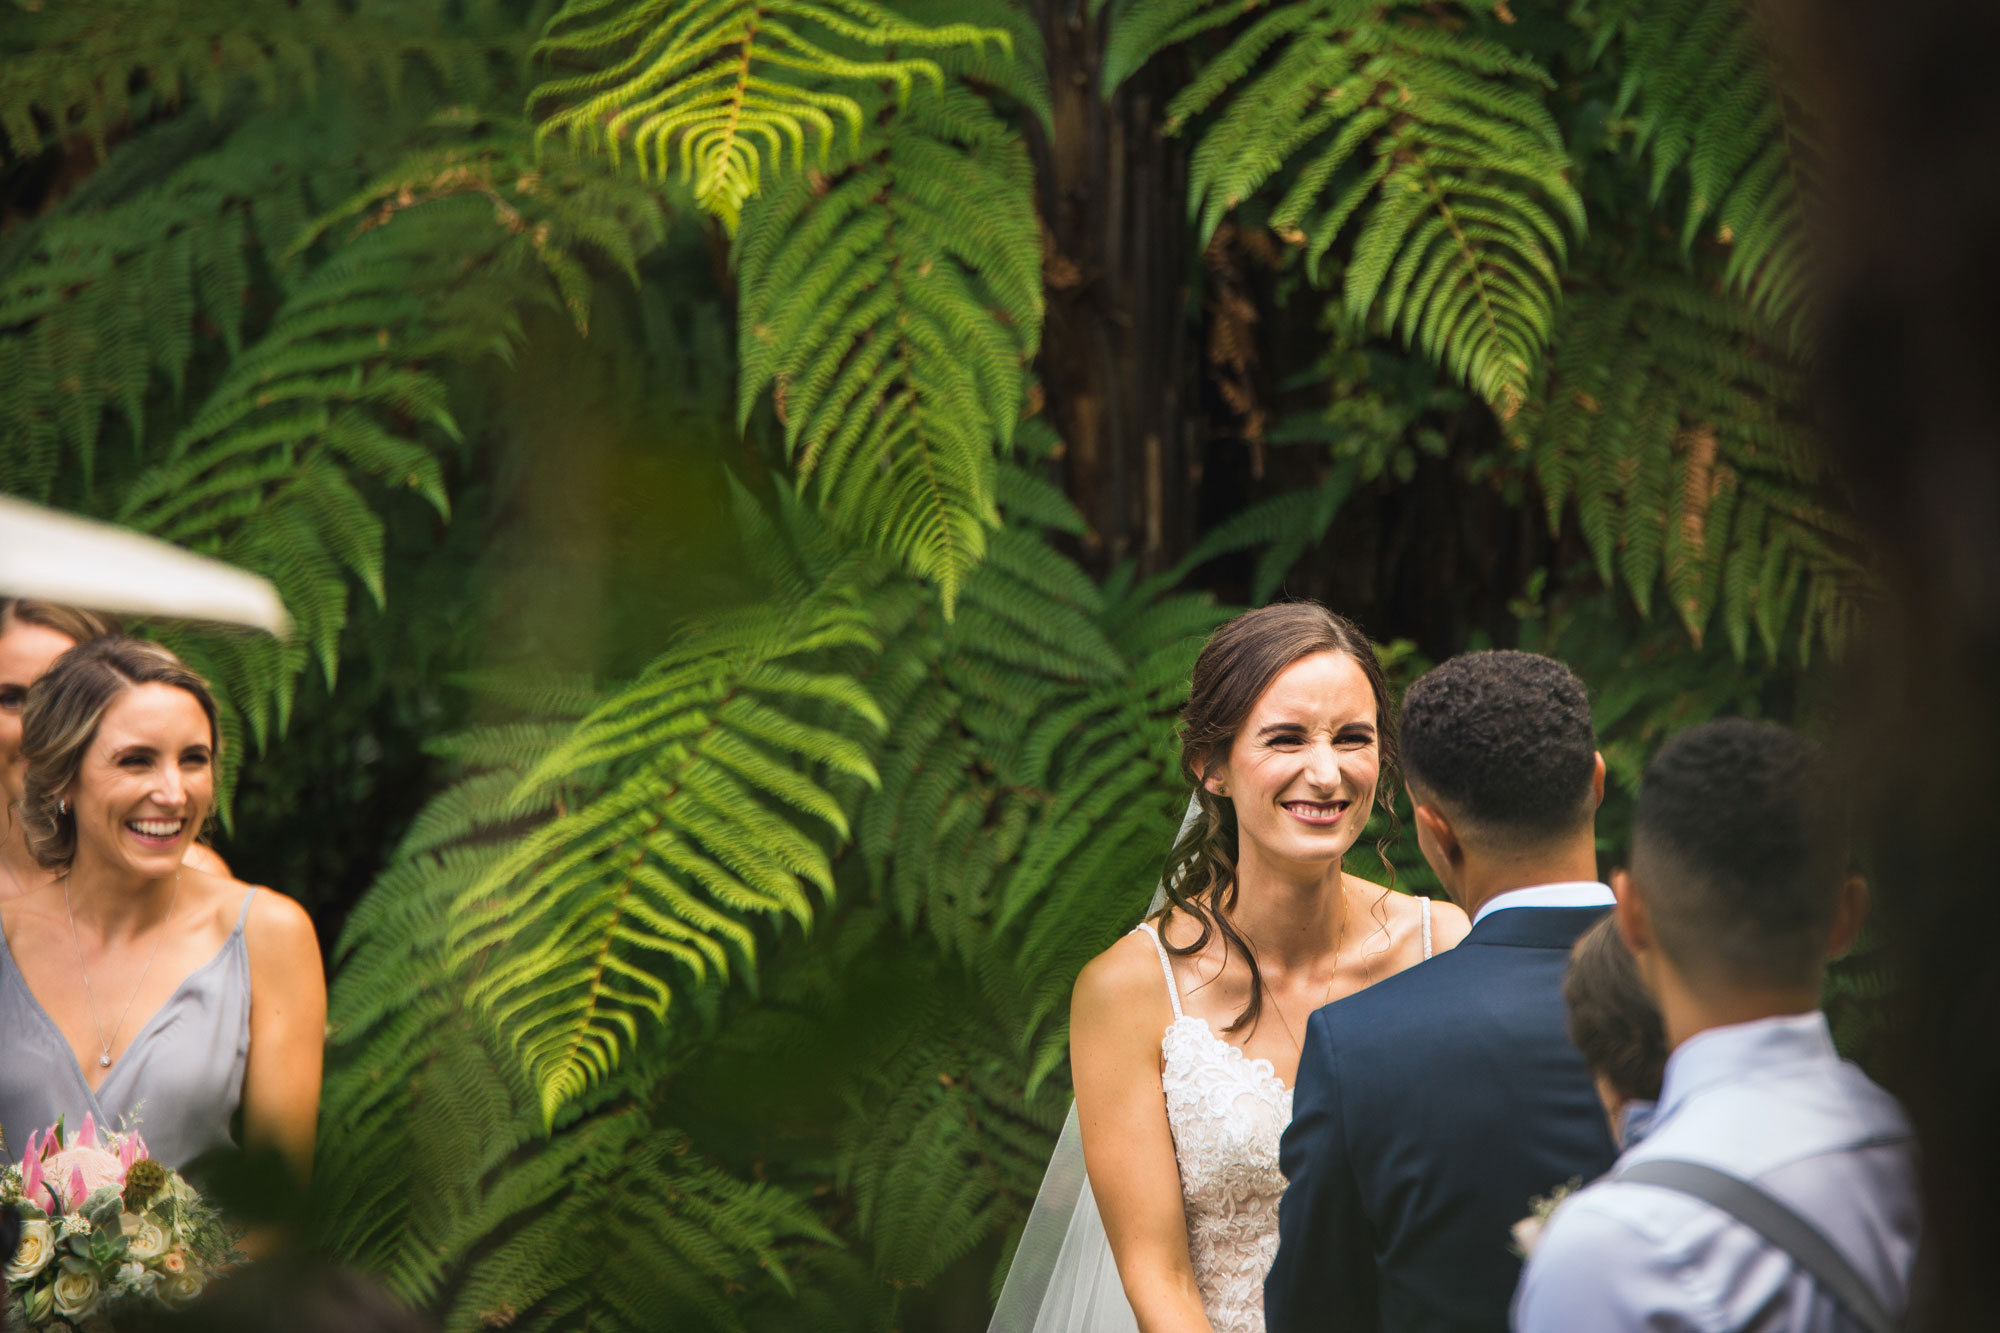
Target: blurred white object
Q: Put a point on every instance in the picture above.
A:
(58, 557)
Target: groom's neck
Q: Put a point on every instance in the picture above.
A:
(1486, 873)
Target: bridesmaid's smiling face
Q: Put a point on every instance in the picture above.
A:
(26, 653)
(147, 782)
(1302, 769)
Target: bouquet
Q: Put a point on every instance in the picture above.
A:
(104, 1228)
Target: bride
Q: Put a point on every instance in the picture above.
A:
(1185, 1035)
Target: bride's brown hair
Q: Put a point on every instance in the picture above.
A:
(1236, 666)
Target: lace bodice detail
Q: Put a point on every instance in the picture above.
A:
(1227, 1112)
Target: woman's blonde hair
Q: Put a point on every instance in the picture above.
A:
(65, 709)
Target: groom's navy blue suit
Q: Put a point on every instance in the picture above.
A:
(1430, 1109)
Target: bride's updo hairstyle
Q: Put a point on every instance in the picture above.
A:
(1236, 666)
(59, 723)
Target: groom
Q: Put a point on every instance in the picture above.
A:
(1432, 1107)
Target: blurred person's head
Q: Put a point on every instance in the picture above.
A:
(1738, 891)
(33, 635)
(1502, 766)
(121, 741)
(1613, 1022)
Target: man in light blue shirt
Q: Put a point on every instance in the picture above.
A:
(1735, 900)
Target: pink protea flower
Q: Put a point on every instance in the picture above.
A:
(31, 1174)
(76, 1173)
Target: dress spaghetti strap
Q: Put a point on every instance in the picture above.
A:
(243, 914)
(1426, 903)
(1166, 964)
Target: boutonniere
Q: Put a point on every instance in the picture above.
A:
(1528, 1231)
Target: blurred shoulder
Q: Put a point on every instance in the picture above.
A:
(280, 931)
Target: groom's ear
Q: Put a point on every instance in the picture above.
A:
(1431, 823)
(1597, 782)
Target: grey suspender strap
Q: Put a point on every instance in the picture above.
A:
(1777, 1224)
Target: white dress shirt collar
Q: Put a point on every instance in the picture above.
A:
(1727, 1053)
(1575, 893)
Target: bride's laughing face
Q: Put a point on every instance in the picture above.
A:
(1301, 770)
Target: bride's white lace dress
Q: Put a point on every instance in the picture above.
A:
(1227, 1113)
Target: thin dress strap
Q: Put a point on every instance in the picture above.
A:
(1427, 925)
(244, 914)
(1166, 964)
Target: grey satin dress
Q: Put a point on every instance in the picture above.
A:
(178, 1082)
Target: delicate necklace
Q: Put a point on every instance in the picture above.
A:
(103, 1046)
(1339, 943)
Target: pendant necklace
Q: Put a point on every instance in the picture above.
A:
(103, 1046)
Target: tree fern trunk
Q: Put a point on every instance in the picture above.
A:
(1118, 359)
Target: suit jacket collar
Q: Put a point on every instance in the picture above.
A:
(1535, 927)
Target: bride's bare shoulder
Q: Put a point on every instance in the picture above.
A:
(1124, 980)
(1449, 924)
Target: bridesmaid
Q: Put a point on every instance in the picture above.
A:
(133, 987)
(32, 636)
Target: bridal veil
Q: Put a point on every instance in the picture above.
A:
(1063, 1279)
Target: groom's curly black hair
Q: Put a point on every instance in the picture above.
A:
(1504, 739)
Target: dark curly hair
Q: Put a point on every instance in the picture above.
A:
(1739, 846)
(1612, 1020)
(1504, 739)
(1236, 666)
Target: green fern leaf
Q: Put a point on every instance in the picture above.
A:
(893, 313)
(722, 92)
(1432, 149)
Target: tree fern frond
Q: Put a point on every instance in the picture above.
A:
(1700, 89)
(74, 68)
(1673, 421)
(337, 394)
(1432, 149)
(676, 826)
(723, 92)
(893, 311)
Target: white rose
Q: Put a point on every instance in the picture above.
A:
(76, 1292)
(145, 1239)
(182, 1287)
(32, 1255)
